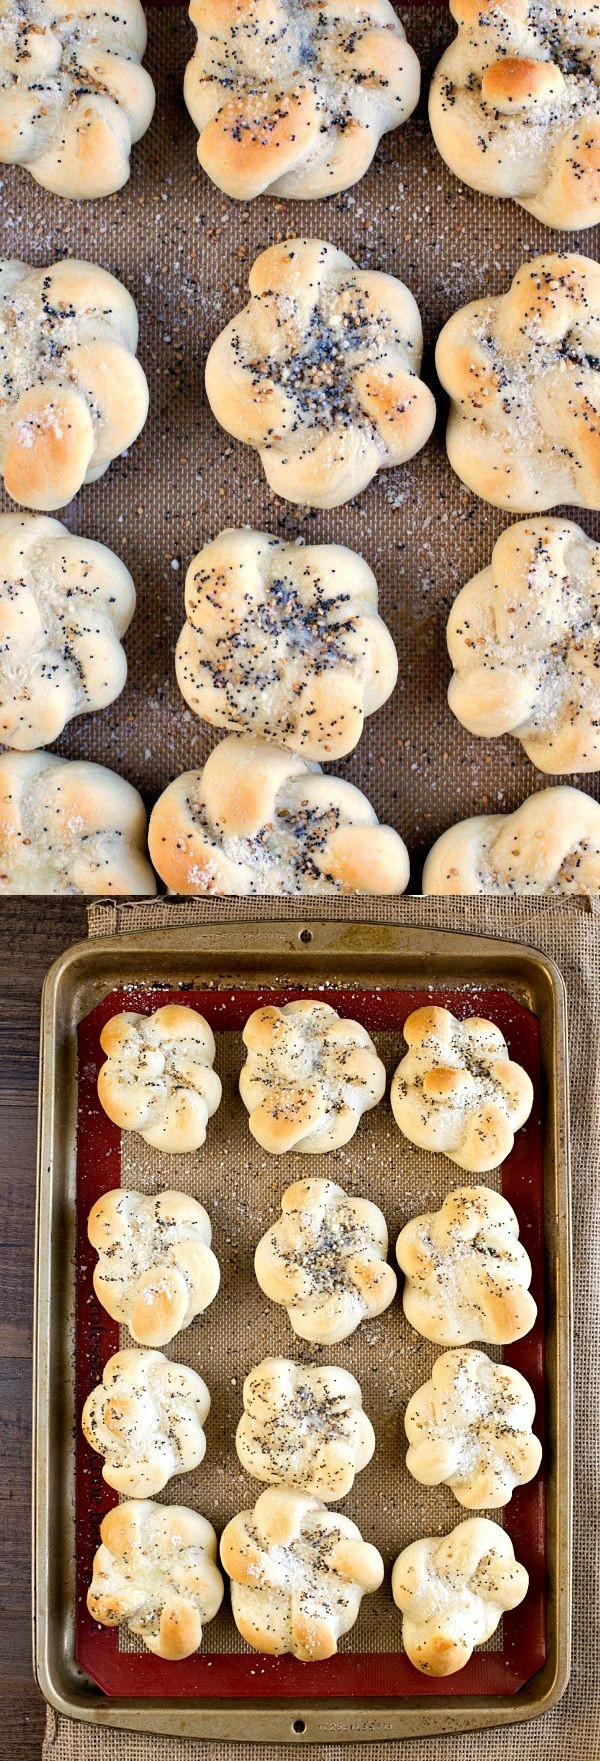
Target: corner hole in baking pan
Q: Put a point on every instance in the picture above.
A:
(304, 936)
(299, 1726)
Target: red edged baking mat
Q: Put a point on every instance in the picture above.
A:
(247, 1674)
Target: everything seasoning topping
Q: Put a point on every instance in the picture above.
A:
(304, 1428)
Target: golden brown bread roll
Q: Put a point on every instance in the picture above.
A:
(521, 370)
(456, 1090)
(524, 640)
(73, 96)
(158, 1077)
(293, 97)
(284, 641)
(469, 1428)
(72, 394)
(514, 105)
(308, 1077)
(155, 1270)
(146, 1418)
(69, 826)
(550, 844)
(466, 1274)
(298, 1574)
(156, 1573)
(324, 1260)
(304, 1427)
(452, 1591)
(65, 602)
(320, 372)
(258, 819)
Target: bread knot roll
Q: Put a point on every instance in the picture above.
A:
(514, 105)
(466, 1274)
(550, 844)
(156, 1574)
(452, 1591)
(524, 640)
(469, 1428)
(259, 819)
(68, 826)
(158, 1077)
(456, 1089)
(146, 1418)
(308, 1077)
(521, 370)
(65, 603)
(72, 394)
(73, 96)
(298, 1574)
(304, 1427)
(284, 641)
(324, 1260)
(293, 97)
(156, 1270)
(320, 372)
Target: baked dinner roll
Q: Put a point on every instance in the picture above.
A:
(466, 1274)
(259, 819)
(324, 1260)
(308, 1077)
(68, 826)
(304, 1428)
(551, 844)
(452, 1591)
(146, 1418)
(293, 97)
(514, 105)
(524, 640)
(156, 1573)
(284, 641)
(469, 1427)
(65, 603)
(521, 370)
(457, 1090)
(73, 96)
(158, 1078)
(320, 372)
(72, 394)
(156, 1270)
(298, 1574)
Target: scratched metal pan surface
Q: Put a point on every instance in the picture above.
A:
(375, 974)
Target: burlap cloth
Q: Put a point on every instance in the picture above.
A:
(570, 932)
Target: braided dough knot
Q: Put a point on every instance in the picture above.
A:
(68, 826)
(466, 1274)
(158, 1077)
(298, 1574)
(72, 394)
(293, 97)
(308, 1077)
(259, 819)
(453, 1591)
(65, 602)
(156, 1270)
(470, 1427)
(524, 640)
(458, 1091)
(551, 844)
(521, 369)
(514, 105)
(156, 1573)
(324, 1261)
(73, 96)
(319, 372)
(146, 1418)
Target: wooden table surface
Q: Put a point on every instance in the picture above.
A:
(32, 933)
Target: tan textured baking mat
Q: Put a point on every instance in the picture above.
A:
(184, 251)
(569, 931)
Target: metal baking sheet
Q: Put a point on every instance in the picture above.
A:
(376, 974)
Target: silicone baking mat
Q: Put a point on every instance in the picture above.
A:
(184, 250)
(241, 1188)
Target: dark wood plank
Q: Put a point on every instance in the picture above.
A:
(32, 933)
